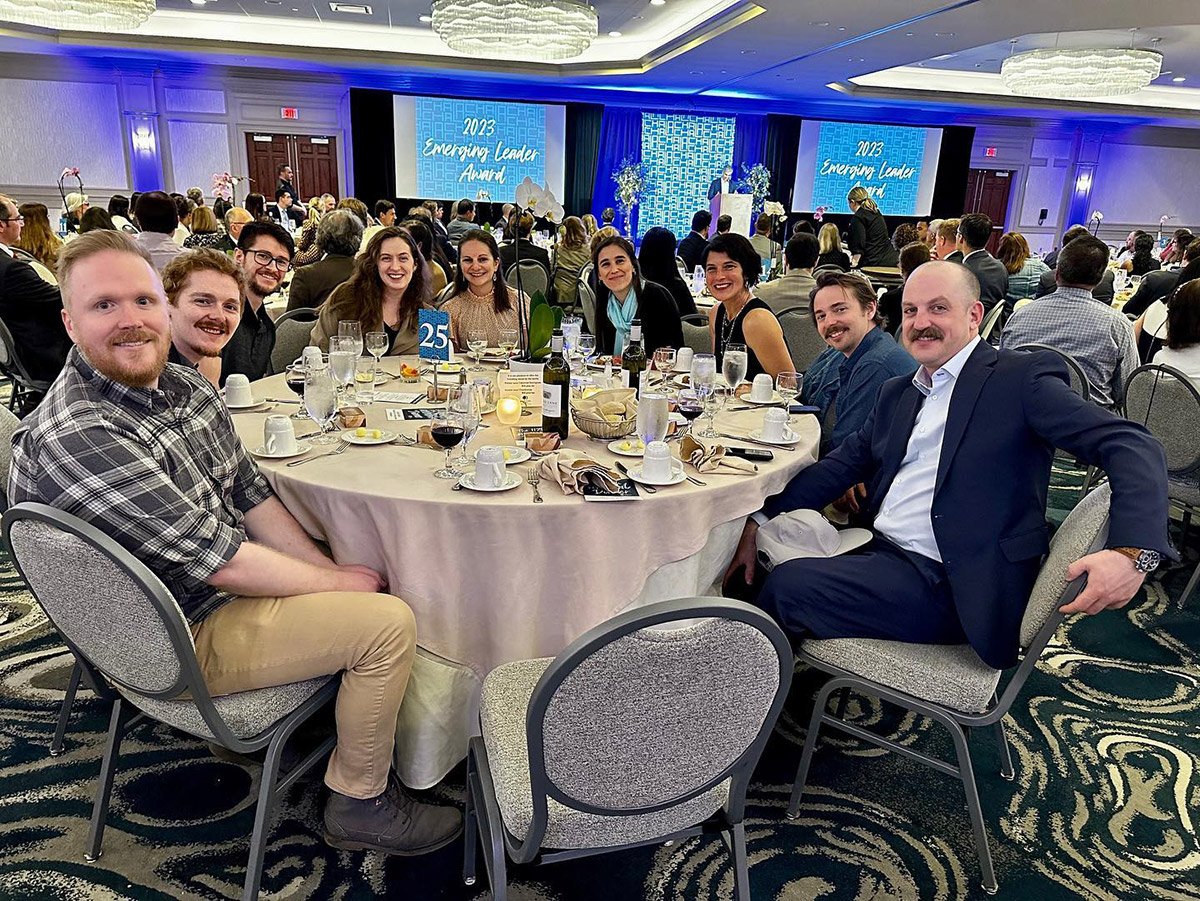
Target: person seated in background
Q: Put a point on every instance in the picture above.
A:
(590, 225)
(930, 236)
(385, 212)
(520, 227)
(1172, 254)
(974, 231)
(922, 233)
(118, 208)
(264, 254)
(358, 208)
(204, 291)
(724, 224)
(284, 212)
(422, 232)
(339, 236)
(607, 217)
(506, 212)
(869, 243)
(956, 461)
(158, 218)
(904, 233)
(656, 259)
(1143, 260)
(1126, 252)
(891, 303)
(75, 205)
(624, 295)
(196, 196)
(761, 239)
(1182, 350)
(482, 301)
(30, 307)
(183, 209)
(1023, 267)
(731, 270)
(205, 232)
(220, 207)
(945, 242)
(795, 286)
(844, 380)
(803, 226)
(829, 241)
(36, 237)
(463, 221)
(256, 206)
(389, 286)
(1155, 285)
(235, 217)
(94, 219)
(570, 256)
(1048, 283)
(144, 451)
(692, 246)
(1070, 320)
(306, 242)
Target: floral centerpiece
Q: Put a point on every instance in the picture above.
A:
(224, 185)
(631, 183)
(68, 172)
(819, 213)
(756, 181)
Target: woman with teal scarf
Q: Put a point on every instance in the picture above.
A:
(624, 296)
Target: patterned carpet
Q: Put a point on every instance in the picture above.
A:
(1106, 741)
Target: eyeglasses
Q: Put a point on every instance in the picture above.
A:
(265, 259)
(20, 219)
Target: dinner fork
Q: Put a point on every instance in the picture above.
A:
(533, 478)
(342, 445)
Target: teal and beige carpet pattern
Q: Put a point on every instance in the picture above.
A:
(1106, 741)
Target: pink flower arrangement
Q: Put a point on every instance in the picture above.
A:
(819, 213)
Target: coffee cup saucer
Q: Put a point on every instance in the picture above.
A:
(302, 447)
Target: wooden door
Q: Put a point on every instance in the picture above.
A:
(265, 153)
(315, 166)
(987, 192)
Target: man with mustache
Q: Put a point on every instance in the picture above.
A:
(145, 451)
(204, 290)
(956, 459)
(264, 254)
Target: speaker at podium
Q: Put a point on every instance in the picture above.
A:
(737, 207)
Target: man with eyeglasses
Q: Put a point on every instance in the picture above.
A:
(265, 251)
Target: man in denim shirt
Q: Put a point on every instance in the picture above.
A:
(844, 380)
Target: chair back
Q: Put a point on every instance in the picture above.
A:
(828, 267)
(293, 332)
(990, 321)
(1079, 380)
(444, 295)
(11, 365)
(586, 298)
(1083, 532)
(631, 719)
(1166, 402)
(695, 319)
(804, 342)
(534, 277)
(697, 337)
(8, 424)
(110, 609)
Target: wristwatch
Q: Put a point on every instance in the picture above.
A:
(1144, 561)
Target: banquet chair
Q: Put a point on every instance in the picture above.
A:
(24, 386)
(293, 331)
(577, 757)
(949, 683)
(991, 321)
(802, 338)
(1166, 402)
(586, 298)
(131, 639)
(534, 277)
(695, 319)
(8, 425)
(697, 337)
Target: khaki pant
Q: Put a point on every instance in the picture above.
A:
(370, 639)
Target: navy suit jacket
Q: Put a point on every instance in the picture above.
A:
(993, 280)
(1008, 413)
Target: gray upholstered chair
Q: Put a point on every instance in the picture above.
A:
(585, 297)
(24, 386)
(949, 683)
(293, 331)
(534, 277)
(8, 425)
(1166, 402)
(633, 735)
(991, 321)
(804, 342)
(697, 337)
(131, 640)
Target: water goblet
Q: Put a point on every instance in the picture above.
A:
(788, 385)
(343, 362)
(377, 346)
(352, 329)
(664, 362)
(587, 347)
(464, 400)
(704, 380)
(320, 400)
(734, 364)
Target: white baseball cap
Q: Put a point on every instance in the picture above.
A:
(804, 533)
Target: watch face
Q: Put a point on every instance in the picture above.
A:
(1148, 561)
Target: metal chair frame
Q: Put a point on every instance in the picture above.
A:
(24, 385)
(991, 321)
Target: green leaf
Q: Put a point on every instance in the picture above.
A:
(541, 325)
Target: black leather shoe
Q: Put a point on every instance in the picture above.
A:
(393, 823)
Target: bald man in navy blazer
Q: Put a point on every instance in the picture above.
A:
(956, 460)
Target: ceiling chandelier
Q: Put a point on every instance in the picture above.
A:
(78, 15)
(1080, 74)
(531, 30)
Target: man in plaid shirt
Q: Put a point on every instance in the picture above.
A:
(145, 451)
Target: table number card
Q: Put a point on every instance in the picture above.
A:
(525, 385)
(433, 335)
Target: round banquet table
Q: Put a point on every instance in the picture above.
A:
(493, 577)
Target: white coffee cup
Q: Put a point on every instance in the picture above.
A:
(279, 436)
(489, 467)
(775, 424)
(683, 359)
(237, 391)
(311, 358)
(657, 462)
(762, 389)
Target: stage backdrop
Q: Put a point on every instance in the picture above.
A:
(682, 155)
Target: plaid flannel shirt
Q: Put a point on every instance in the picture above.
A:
(161, 471)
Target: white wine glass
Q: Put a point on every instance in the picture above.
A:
(377, 346)
(587, 347)
(704, 381)
(788, 385)
(664, 362)
(320, 400)
(352, 329)
(477, 342)
(508, 341)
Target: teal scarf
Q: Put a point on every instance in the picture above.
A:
(621, 314)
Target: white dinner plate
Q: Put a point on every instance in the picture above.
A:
(599, 362)
(511, 480)
(512, 454)
(776, 399)
(302, 447)
(635, 449)
(677, 475)
(241, 408)
(386, 437)
(685, 380)
(794, 438)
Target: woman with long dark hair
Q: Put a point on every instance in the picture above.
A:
(389, 286)
(1183, 332)
(255, 205)
(1142, 260)
(870, 244)
(657, 259)
(419, 229)
(482, 300)
(623, 295)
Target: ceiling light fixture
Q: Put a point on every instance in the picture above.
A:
(1080, 74)
(542, 29)
(78, 15)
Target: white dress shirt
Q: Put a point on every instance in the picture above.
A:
(905, 517)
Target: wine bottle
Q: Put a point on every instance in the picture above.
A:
(556, 388)
(633, 358)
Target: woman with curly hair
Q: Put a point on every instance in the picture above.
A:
(389, 286)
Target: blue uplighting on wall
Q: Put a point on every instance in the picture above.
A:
(682, 154)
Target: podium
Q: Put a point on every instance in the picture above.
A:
(737, 207)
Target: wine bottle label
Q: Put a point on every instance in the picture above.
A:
(551, 400)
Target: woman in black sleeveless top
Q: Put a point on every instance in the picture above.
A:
(731, 268)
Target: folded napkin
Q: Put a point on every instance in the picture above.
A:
(571, 470)
(712, 459)
(613, 404)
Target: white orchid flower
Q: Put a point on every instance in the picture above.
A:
(528, 194)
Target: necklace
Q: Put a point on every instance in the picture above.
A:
(729, 322)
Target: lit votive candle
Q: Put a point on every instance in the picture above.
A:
(508, 410)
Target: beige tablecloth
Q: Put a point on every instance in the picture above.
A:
(493, 577)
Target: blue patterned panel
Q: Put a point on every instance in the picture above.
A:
(682, 154)
(884, 159)
(465, 146)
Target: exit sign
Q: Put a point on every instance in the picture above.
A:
(291, 112)
(990, 151)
